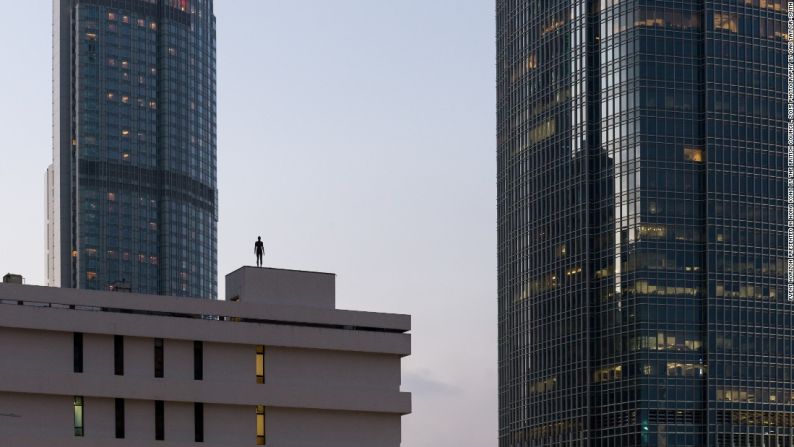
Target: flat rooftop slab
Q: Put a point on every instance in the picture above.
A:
(265, 296)
(282, 287)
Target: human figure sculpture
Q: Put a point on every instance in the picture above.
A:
(259, 250)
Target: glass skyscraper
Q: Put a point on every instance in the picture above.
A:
(132, 190)
(642, 224)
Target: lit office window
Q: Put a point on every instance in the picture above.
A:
(724, 21)
(79, 430)
(260, 364)
(694, 154)
(260, 425)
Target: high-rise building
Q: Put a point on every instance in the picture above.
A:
(133, 195)
(642, 224)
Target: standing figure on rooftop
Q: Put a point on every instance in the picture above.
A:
(259, 249)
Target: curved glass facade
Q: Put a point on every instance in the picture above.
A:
(138, 180)
(642, 223)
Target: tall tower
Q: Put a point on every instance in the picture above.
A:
(134, 193)
(642, 224)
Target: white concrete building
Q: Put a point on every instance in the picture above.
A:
(276, 364)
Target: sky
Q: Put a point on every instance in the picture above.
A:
(356, 137)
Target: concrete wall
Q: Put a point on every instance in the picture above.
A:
(282, 287)
(24, 414)
(312, 428)
(139, 420)
(99, 417)
(98, 354)
(178, 356)
(347, 369)
(226, 362)
(139, 357)
(314, 397)
(178, 418)
(332, 378)
(31, 350)
(231, 425)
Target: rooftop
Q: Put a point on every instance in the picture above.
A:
(264, 297)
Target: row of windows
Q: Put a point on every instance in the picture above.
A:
(159, 420)
(762, 28)
(754, 395)
(159, 358)
(673, 369)
(125, 99)
(125, 19)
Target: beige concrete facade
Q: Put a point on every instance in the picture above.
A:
(331, 377)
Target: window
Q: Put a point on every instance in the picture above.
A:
(685, 369)
(608, 374)
(118, 355)
(693, 154)
(260, 425)
(653, 231)
(260, 364)
(724, 21)
(78, 352)
(158, 357)
(159, 420)
(198, 421)
(543, 131)
(78, 417)
(119, 418)
(198, 360)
